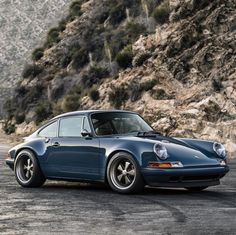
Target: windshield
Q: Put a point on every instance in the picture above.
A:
(116, 123)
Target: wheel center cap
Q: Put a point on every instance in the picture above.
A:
(124, 172)
(28, 168)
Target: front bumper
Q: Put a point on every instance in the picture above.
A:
(184, 177)
(10, 163)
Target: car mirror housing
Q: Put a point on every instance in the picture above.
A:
(86, 133)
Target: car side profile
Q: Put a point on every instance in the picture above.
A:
(118, 148)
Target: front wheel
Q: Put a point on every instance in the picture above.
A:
(196, 189)
(123, 174)
(27, 170)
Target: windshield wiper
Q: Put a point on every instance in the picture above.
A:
(148, 133)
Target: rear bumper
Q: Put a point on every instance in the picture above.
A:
(10, 163)
(184, 177)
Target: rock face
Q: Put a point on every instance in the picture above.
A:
(180, 74)
(193, 60)
(23, 25)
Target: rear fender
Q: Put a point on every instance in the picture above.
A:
(36, 146)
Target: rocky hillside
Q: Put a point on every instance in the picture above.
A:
(23, 25)
(171, 61)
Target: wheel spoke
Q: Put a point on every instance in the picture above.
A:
(31, 172)
(25, 167)
(31, 166)
(127, 180)
(119, 177)
(28, 162)
(27, 174)
(120, 168)
(131, 172)
(127, 165)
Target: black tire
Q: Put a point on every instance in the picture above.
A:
(123, 174)
(27, 170)
(196, 189)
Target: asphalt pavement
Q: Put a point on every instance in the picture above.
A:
(75, 208)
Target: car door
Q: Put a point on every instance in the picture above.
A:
(75, 156)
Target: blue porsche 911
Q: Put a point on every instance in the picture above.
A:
(118, 148)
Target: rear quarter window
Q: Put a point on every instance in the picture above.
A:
(49, 131)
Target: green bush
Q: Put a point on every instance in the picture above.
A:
(70, 103)
(9, 127)
(57, 108)
(124, 57)
(80, 58)
(160, 94)
(94, 93)
(136, 89)
(62, 24)
(148, 85)
(52, 37)
(142, 58)
(65, 56)
(115, 42)
(117, 14)
(161, 12)
(37, 54)
(133, 30)
(77, 89)
(75, 8)
(31, 70)
(118, 96)
(19, 117)
(21, 90)
(43, 111)
(9, 108)
(217, 85)
(64, 60)
(94, 75)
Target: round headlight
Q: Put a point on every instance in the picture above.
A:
(161, 151)
(219, 149)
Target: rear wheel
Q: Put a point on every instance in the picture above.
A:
(196, 189)
(123, 174)
(27, 170)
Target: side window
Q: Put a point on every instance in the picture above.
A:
(49, 131)
(70, 127)
(86, 125)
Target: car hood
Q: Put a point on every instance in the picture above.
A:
(179, 150)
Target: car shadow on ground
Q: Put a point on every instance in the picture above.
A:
(103, 188)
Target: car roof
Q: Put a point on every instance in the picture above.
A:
(86, 112)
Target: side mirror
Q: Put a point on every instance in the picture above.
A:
(86, 133)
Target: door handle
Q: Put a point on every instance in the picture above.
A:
(55, 144)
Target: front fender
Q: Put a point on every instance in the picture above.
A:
(204, 146)
(140, 150)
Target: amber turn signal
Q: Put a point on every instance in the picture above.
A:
(164, 164)
(160, 164)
